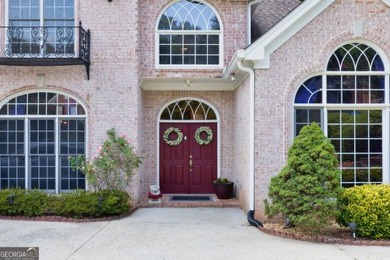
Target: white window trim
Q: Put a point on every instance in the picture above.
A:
(56, 118)
(384, 107)
(189, 66)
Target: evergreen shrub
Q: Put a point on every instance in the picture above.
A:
(76, 204)
(27, 203)
(305, 190)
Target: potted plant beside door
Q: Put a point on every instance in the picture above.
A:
(223, 188)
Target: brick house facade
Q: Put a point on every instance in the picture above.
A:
(252, 86)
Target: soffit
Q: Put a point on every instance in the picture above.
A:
(188, 84)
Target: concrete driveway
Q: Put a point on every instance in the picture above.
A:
(171, 233)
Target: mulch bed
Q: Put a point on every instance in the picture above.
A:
(68, 219)
(332, 235)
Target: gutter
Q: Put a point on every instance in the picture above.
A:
(251, 73)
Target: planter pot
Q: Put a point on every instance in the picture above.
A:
(224, 191)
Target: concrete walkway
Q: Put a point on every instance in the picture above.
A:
(171, 233)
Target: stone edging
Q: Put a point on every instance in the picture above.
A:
(66, 219)
(327, 240)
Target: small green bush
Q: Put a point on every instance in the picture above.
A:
(77, 204)
(27, 203)
(369, 207)
(81, 204)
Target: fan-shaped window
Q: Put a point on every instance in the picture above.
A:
(38, 132)
(42, 103)
(188, 110)
(189, 33)
(355, 57)
(310, 91)
(349, 102)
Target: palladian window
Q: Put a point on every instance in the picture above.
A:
(189, 33)
(351, 103)
(38, 133)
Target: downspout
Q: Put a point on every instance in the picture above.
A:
(250, 214)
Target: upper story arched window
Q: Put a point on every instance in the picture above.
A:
(189, 34)
(350, 100)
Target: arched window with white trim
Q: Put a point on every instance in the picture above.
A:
(350, 102)
(188, 109)
(189, 34)
(38, 132)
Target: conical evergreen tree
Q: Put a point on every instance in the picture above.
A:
(305, 190)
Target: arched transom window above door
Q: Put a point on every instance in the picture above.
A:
(350, 100)
(189, 34)
(188, 110)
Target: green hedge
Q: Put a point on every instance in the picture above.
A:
(369, 207)
(77, 204)
(85, 204)
(27, 203)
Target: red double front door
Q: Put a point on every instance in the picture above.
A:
(188, 167)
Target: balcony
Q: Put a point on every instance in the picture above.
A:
(46, 46)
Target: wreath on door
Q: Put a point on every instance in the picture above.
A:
(209, 135)
(167, 135)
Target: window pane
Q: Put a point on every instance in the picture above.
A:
(201, 39)
(190, 17)
(177, 39)
(164, 49)
(177, 49)
(165, 39)
(376, 175)
(165, 60)
(334, 97)
(213, 49)
(189, 59)
(189, 39)
(360, 148)
(213, 39)
(213, 60)
(177, 60)
(201, 49)
(201, 59)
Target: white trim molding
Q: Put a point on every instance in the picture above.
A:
(187, 84)
(259, 52)
(387, 2)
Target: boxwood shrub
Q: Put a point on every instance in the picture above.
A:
(76, 204)
(81, 204)
(369, 207)
(27, 203)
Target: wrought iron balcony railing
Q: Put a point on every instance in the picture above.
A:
(46, 46)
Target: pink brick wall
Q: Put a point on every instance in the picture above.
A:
(111, 96)
(300, 57)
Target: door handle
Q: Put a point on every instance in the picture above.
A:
(190, 163)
